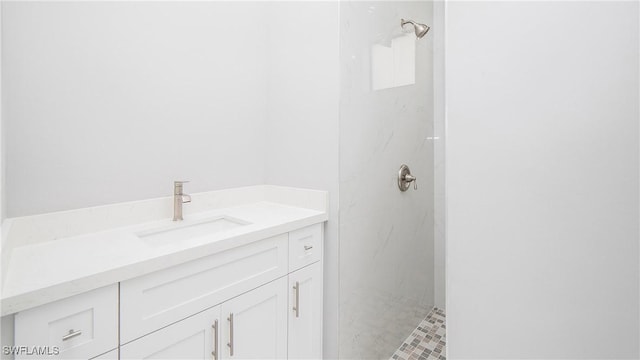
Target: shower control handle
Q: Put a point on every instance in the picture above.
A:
(410, 178)
(405, 179)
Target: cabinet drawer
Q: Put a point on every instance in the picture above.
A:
(305, 246)
(80, 327)
(161, 298)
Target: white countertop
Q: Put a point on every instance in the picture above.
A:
(46, 270)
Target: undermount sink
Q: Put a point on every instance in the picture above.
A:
(186, 230)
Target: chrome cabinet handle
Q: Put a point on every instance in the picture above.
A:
(296, 289)
(71, 335)
(214, 353)
(230, 343)
(308, 247)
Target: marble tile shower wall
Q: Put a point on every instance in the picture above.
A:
(386, 236)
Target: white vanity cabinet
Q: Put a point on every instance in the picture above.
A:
(260, 300)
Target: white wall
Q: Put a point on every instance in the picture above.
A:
(542, 180)
(112, 101)
(386, 236)
(302, 131)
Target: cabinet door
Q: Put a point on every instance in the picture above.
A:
(305, 313)
(196, 337)
(255, 323)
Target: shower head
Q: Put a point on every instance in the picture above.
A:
(420, 29)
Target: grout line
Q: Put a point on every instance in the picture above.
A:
(427, 341)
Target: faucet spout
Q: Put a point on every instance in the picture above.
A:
(179, 198)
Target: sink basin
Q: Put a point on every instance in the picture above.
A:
(186, 230)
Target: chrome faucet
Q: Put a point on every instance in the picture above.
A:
(178, 199)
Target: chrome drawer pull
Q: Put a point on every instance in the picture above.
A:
(71, 335)
(308, 247)
(215, 340)
(230, 343)
(296, 308)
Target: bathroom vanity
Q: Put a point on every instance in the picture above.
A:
(240, 277)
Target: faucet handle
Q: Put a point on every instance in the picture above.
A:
(180, 182)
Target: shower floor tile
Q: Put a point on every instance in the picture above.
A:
(427, 341)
